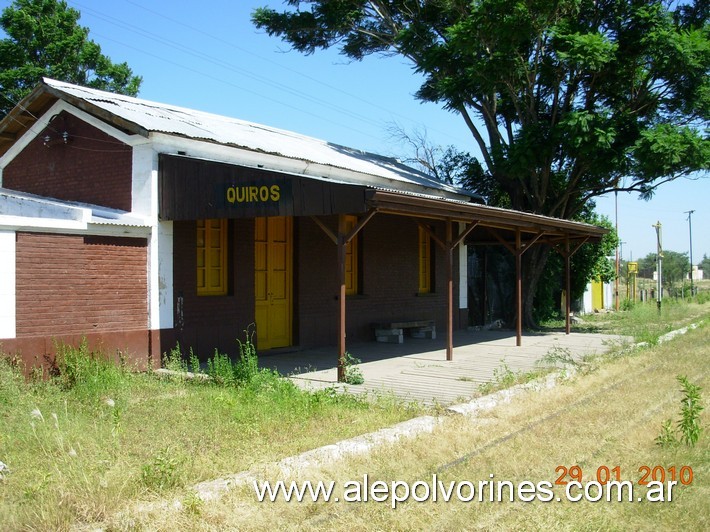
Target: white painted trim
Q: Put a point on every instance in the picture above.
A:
(43, 121)
(8, 288)
(160, 277)
(25, 225)
(463, 271)
(144, 182)
(27, 212)
(28, 223)
(214, 152)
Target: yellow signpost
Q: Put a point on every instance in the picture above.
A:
(632, 270)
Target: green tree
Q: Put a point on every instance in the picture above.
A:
(592, 261)
(647, 266)
(566, 100)
(705, 266)
(675, 269)
(45, 39)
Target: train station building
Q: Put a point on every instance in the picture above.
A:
(138, 225)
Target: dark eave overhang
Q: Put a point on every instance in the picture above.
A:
(505, 220)
(25, 114)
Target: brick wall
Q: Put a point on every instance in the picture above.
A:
(389, 285)
(80, 284)
(389, 281)
(91, 167)
(213, 322)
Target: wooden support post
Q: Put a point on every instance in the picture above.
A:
(450, 291)
(567, 255)
(341, 240)
(341, 301)
(568, 285)
(518, 289)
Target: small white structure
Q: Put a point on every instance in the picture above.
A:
(598, 296)
(697, 274)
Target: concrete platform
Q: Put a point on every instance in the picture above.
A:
(417, 370)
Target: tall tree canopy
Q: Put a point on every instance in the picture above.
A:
(566, 100)
(45, 39)
(675, 265)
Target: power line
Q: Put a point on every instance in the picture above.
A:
(230, 66)
(287, 68)
(217, 62)
(690, 233)
(229, 83)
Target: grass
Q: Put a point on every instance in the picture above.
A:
(608, 418)
(642, 321)
(83, 444)
(504, 377)
(84, 447)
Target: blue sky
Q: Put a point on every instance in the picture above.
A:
(208, 56)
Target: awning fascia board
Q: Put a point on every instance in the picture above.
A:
(505, 219)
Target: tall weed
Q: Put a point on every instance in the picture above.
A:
(86, 372)
(173, 359)
(248, 365)
(688, 426)
(221, 369)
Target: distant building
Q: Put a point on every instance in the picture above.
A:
(598, 296)
(697, 274)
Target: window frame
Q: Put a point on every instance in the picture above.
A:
(220, 270)
(352, 256)
(424, 262)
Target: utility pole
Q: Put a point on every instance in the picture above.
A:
(619, 260)
(659, 264)
(616, 222)
(690, 232)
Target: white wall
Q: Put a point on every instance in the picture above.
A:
(463, 272)
(8, 300)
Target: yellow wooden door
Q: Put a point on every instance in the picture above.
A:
(272, 282)
(597, 295)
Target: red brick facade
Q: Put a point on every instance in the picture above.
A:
(213, 322)
(388, 289)
(69, 287)
(389, 281)
(92, 167)
(80, 284)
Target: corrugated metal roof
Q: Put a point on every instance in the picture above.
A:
(188, 123)
(25, 205)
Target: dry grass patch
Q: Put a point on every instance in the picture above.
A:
(82, 447)
(642, 321)
(610, 417)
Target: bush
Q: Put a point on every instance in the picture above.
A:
(163, 471)
(173, 360)
(688, 426)
(86, 371)
(243, 372)
(221, 370)
(248, 366)
(353, 374)
(702, 297)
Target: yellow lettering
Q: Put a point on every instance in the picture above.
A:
(241, 195)
(253, 194)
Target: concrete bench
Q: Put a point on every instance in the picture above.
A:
(393, 331)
